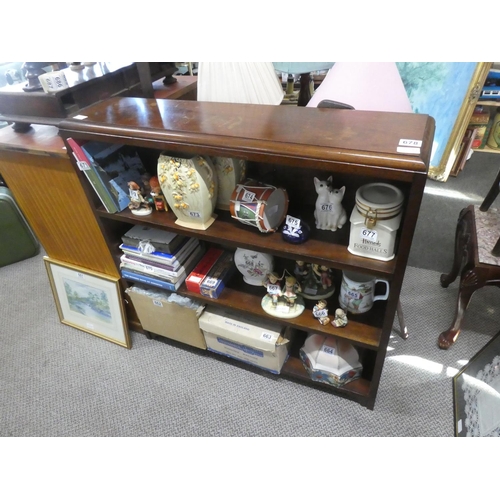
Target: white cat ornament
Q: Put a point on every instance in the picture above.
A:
(329, 212)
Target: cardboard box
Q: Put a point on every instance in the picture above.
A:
(167, 319)
(256, 342)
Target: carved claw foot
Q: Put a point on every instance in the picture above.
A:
(447, 339)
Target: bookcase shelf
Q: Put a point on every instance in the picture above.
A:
(286, 146)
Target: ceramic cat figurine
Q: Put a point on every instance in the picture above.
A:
(329, 212)
(321, 209)
(337, 215)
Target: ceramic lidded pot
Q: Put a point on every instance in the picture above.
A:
(189, 184)
(230, 172)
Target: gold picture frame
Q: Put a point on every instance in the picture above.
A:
(442, 171)
(448, 92)
(89, 301)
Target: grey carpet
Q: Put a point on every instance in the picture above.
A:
(59, 381)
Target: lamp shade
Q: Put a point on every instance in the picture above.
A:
(239, 82)
(301, 67)
(367, 86)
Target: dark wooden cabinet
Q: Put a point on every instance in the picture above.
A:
(284, 146)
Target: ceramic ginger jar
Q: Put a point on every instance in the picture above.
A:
(189, 184)
(230, 172)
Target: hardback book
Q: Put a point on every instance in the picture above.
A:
(161, 240)
(174, 260)
(133, 264)
(84, 164)
(149, 280)
(116, 165)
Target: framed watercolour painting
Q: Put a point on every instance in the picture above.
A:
(88, 301)
(476, 393)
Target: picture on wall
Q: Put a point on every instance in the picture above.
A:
(88, 301)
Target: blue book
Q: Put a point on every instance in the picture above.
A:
(149, 280)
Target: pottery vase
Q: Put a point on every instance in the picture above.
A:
(189, 184)
(230, 172)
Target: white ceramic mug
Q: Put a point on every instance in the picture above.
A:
(357, 292)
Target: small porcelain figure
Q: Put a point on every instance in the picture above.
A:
(138, 204)
(340, 319)
(324, 276)
(273, 286)
(320, 312)
(290, 290)
(301, 270)
(329, 213)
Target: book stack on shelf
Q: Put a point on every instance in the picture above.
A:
(158, 258)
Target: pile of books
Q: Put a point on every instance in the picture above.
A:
(158, 258)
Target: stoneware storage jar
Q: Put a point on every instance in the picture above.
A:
(375, 220)
(189, 185)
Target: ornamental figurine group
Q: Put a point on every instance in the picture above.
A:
(320, 312)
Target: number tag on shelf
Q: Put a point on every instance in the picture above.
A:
(328, 350)
(83, 165)
(320, 313)
(327, 207)
(158, 303)
(196, 215)
(369, 234)
(283, 309)
(268, 337)
(273, 289)
(211, 282)
(248, 196)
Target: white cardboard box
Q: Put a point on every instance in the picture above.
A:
(257, 342)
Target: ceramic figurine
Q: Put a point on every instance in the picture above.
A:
(329, 213)
(138, 204)
(316, 282)
(340, 319)
(156, 194)
(320, 312)
(301, 270)
(273, 285)
(324, 276)
(290, 290)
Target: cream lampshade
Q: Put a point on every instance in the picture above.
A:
(239, 82)
(367, 86)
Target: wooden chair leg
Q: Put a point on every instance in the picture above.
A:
(469, 283)
(403, 330)
(461, 241)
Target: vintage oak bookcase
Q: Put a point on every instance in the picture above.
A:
(285, 146)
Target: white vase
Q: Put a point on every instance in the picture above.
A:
(230, 172)
(189, 185)
(254, 266)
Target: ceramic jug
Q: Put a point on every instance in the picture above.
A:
(189, 184)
